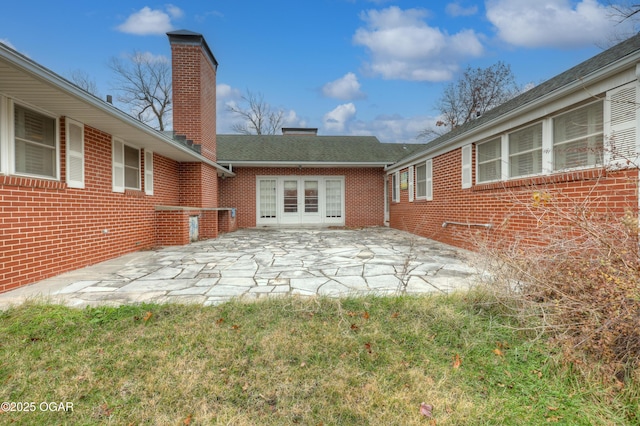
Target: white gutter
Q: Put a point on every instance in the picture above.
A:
(301, 164)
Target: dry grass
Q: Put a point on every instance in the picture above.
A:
(291, 361)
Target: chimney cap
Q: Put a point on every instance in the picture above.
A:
(299, 130)
(192, 38)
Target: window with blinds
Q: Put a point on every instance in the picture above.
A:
(525, 151)
(578, 137)
(35, 143)
(421, 180)
(489, 159)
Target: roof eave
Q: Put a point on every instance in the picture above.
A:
(305, 164)
(109, 112)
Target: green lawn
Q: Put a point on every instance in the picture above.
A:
(355, 361)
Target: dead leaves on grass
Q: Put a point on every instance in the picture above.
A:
(426, 409)
(457, 361)
(103, 411)
(145, 318)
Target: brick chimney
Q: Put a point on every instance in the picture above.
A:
(194, 90)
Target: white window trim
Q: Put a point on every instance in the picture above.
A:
(12, 141)
(71, 154)
(148, 172)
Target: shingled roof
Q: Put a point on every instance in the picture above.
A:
(310, 149)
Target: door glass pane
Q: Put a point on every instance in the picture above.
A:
(334, 198)
(310, 196)
(268, 198)
(290, 196)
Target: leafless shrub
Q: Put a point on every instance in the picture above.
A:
(575, 277)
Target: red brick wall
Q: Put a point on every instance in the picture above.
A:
(510, 207)
(48, 228)
(364, 200)
(172, 227)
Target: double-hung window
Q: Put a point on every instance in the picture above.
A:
(578, 137)
(35, 143)
(424, 180)
(421, 180)
(525, 151)
(489, 160)
(126, 166)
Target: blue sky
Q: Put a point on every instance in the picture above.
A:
(349, 67)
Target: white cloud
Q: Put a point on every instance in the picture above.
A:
(456, 9)
(291, 119)
(550, 23)
(147, 21)
(345, 88)
(202, 17)
(402, 46)
(150, 58)
(175, 11)
(224, 91)
(336, 121)
(391, 128)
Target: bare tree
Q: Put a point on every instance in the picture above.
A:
(477, 91)
(82, 79)
(144, 85)
(625, 10)
(626, 15)
(258, 117)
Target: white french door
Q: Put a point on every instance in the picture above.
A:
(300, 200)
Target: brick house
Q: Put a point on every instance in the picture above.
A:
(82, 182)
(299, 178)
(570, 142)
